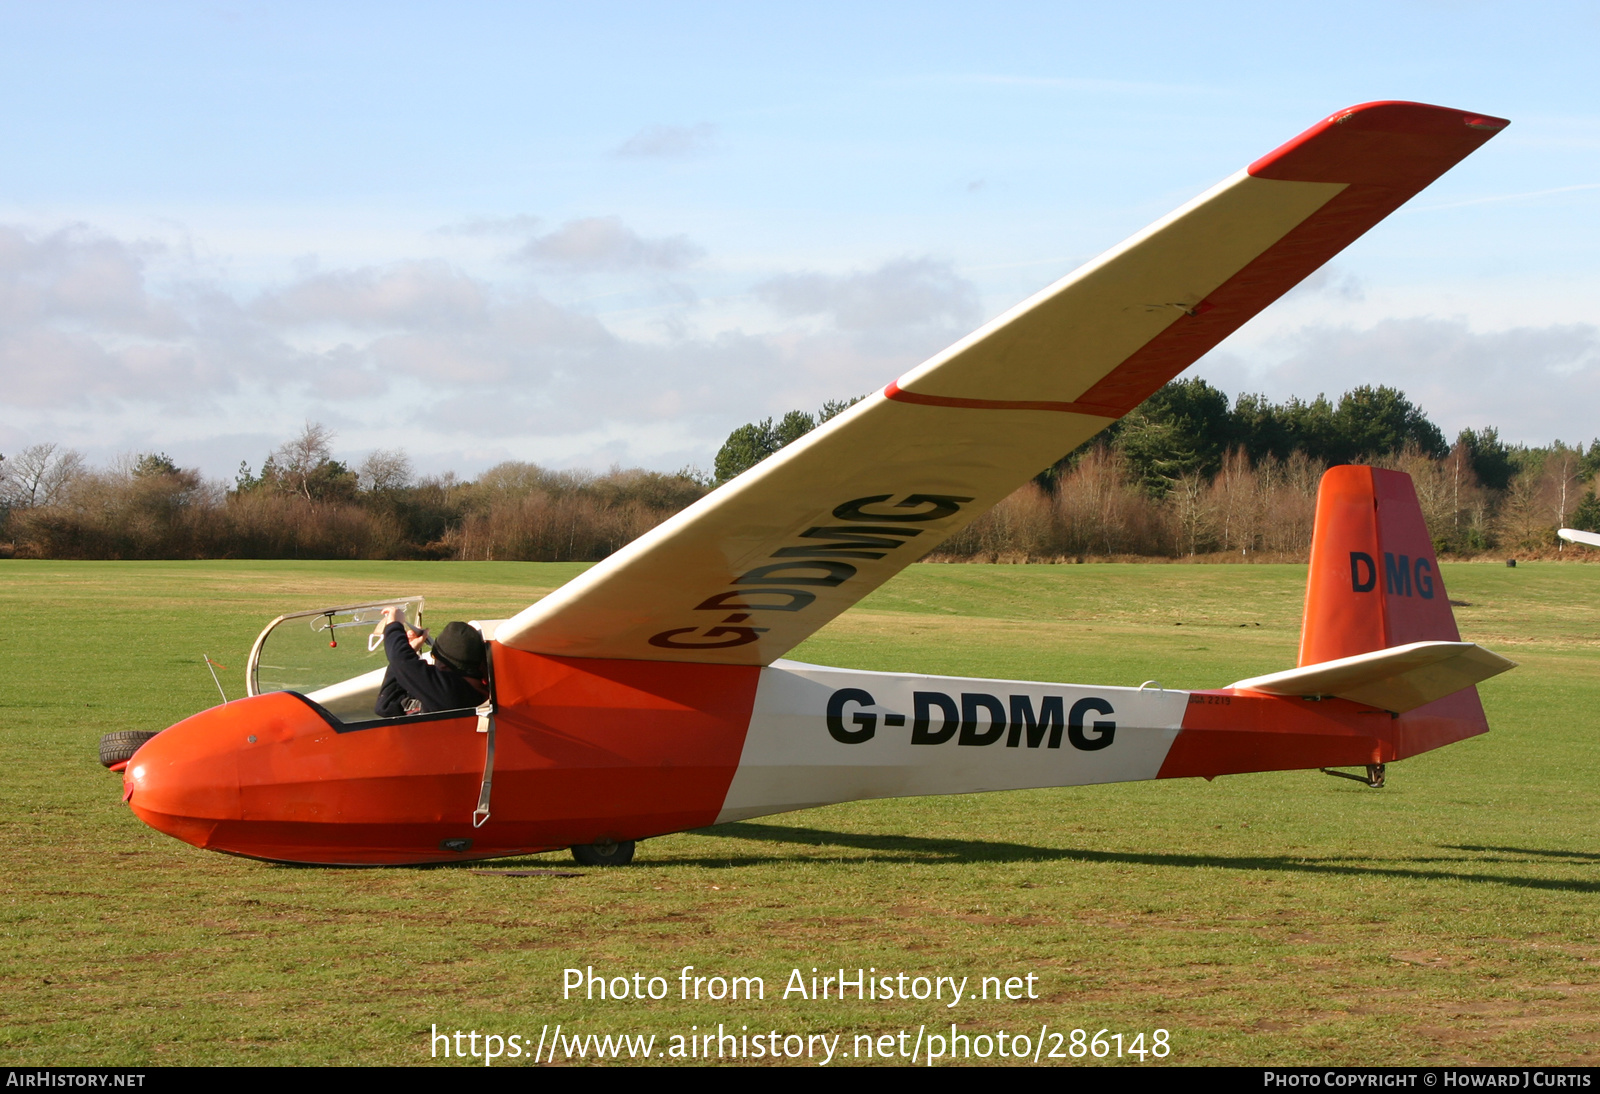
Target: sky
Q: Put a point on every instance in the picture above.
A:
(607, 234)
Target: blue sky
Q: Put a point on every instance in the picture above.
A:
(595, 234)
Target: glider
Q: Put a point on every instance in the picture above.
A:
(651, 694)
(1573, 535)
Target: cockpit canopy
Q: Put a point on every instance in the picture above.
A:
(333, 656)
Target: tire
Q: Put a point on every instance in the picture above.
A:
(118, 747)
(605, 853)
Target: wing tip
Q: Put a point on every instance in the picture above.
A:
(1385, 143)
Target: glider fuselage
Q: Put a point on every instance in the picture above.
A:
(588, 750)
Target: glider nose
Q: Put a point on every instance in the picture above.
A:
(185, 780)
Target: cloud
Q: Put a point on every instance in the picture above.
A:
(107, 344)
(78, 276)
(575, 390)
(521, 224)
(418, 294)
(88, 329)
(1523, 196)
(1330, 280)
(668, 142)
(1084, 84)
(596, 244)
(905, 293)
(80, 324)
(863, 328)
(1534, 383)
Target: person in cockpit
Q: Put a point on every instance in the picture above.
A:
(455, 680)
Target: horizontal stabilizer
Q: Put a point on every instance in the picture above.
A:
(1397, 679)
(1573, 535)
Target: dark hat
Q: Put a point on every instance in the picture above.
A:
(460, 647)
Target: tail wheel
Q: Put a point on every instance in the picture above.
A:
(118, 748)
(1373, 778)
(605, 853)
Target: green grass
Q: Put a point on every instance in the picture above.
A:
(1277, 918)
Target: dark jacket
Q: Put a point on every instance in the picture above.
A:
(435, 686)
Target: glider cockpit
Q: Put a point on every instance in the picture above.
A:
(333, 656)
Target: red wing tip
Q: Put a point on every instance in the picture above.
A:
(1400, 145)
(1399, 115)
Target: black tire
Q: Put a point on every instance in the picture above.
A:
(117, 747)
(606, 853)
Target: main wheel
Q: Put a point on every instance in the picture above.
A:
(605, 853)
(120, 746)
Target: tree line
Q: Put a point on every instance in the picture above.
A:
(303, 503)
(1188, 474)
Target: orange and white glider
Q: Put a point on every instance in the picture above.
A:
(649, 695)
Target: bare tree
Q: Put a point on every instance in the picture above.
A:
(297, 459)
(1560, 482)
(1522, 520)
(1287, 492)
(1235, 497)
(386, 469)
(1103, 511)
(39, 475)
(1192, 513)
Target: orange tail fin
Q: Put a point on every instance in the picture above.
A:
(1374, 584)
(1374, 580)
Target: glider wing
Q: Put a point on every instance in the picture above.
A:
(757, 566)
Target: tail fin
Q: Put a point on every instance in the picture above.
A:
(1374, 580)
(1378, 632)
(1375, 585)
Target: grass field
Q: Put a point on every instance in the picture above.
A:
(1279, 918)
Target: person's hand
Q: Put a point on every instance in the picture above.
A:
(396, 613)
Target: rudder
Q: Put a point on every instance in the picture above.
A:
(1374, 581)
